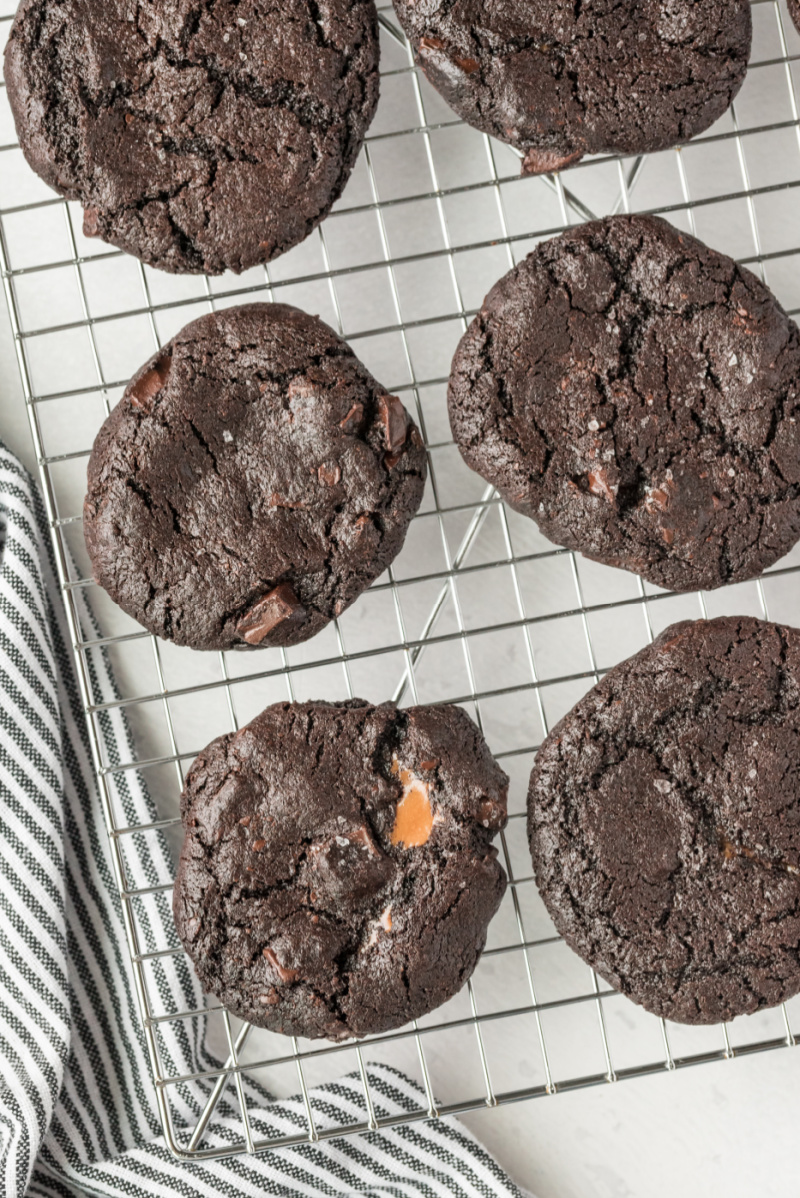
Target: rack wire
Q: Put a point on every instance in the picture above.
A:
(478, 609)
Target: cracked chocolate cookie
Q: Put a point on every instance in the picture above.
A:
(199, 136)
(664, 822)
(253, 480)
(638, 395)
(337, 875)
(558, 80)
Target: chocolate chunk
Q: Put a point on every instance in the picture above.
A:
(329, 475)
(598, 484)
(274, 608)
(540, 160)
(286, 975)
(353, 418)
(151, 383)
(395, 421)
(91, 225)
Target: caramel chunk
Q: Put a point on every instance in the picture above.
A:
(150, 384)
(275, 608)
(413, 819)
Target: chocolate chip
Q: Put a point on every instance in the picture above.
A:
(395, 421)
(275, 608)
(142, 394)
(363, 837)
(491, 814)
(658, 499)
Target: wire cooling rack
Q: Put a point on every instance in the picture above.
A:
(478, 609)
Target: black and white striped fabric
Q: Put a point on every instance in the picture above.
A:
(77, 1109)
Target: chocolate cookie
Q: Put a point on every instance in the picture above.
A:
(637, 394)
(204, 136)
(559, 80)
(664, 821)
(253, 480)
(337, 875)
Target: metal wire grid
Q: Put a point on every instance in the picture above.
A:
(479, 609)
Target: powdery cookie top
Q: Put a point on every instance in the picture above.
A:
(637, 394)
(337, 876)
(664, 822)
(204, 136)
(559, 80)
(253, 480)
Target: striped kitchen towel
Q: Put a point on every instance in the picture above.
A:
(77, 1106)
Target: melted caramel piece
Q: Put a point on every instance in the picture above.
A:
(413, 819)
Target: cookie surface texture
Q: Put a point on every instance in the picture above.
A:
(664, 822)
(638, 395)
(337, 875)
(200, 137)
(253, 480)
(558, 80)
